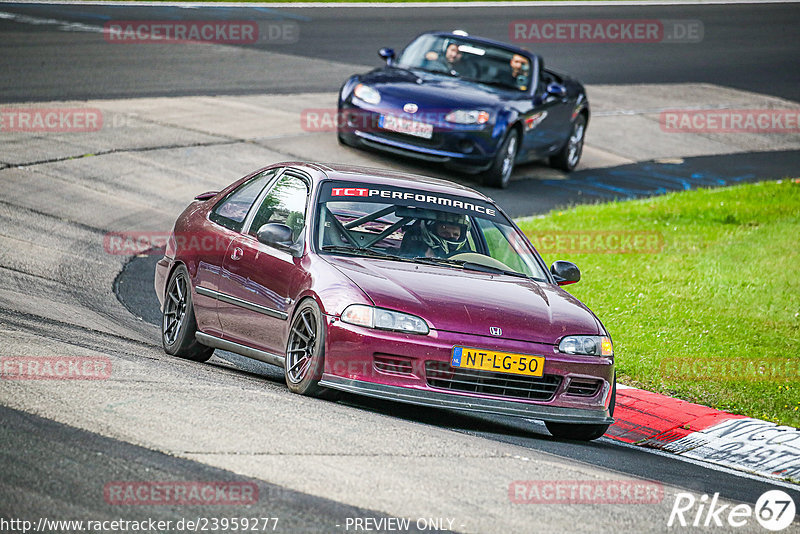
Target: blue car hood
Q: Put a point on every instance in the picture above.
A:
(432, 91)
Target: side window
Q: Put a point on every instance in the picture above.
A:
(284, 204)
(231, 211)
(504, 246)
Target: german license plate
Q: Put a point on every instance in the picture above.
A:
(406, 126)
(499, 362)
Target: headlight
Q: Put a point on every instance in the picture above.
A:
(591, 345)
(382, 319)
(468, 116)
(367, 94)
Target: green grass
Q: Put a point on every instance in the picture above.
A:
(722, 295)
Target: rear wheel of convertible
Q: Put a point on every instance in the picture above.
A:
(499, 174)
(305, 352)
(569, 156)
(178, 324)
(583, 432)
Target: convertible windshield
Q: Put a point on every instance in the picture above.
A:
(414, 225)
(469, 60)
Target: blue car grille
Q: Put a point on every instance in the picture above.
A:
(442, 375)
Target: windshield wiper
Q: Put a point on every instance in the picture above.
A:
(359, 251)
(468, 265)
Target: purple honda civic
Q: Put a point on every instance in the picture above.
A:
(388, 285)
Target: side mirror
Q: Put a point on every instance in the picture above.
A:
(557, 90)
(565, 272)
(207, 195)
(275, 235)
(387, 54)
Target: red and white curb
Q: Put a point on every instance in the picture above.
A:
(702, 433)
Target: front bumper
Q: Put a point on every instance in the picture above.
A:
(468, 146)
(355, 362)
(437, 399)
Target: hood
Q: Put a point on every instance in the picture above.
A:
(470, 302)
(431, 91)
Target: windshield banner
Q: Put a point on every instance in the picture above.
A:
(418, 198)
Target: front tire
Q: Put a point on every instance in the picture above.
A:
(499, 174)
(178, 323)
(305, 352)
(569, 156)
(583, 432)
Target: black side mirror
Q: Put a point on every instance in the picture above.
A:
(387, 54)
(565, 272)
(207, 195)
(557, 90)
(275, 235)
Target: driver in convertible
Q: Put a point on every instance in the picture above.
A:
(440, 238)
(451, 61)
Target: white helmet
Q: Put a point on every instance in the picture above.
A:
(440, 245)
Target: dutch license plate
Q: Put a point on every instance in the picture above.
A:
(406, 126)
(499, 362)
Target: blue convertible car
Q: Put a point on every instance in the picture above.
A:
(473, 104)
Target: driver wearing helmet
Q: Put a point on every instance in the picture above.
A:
(440, 238)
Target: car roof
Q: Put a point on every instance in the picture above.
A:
(359, 174)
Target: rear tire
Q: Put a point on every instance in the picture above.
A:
(569, 156)
(305, 352)
(178, 323)
(583, 432)
(499, 174)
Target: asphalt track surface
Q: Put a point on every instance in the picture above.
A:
(52, 469)
(746, 46)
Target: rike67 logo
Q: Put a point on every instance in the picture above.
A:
(774, 511)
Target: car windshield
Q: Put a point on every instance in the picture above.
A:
(401, 224)
(469, 60)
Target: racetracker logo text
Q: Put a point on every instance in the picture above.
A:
(180, 493)
(731, 121)
(585, 492)
(201, 31)
(156, 243)
(597, 242)
(55, 368)
(605, 31)
(52, 120)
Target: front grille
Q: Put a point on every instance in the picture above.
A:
(390, 364)
(442, 375)
(583, 387)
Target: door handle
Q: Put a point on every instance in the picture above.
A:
(237, 254)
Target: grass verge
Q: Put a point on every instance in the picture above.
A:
(707, 306)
